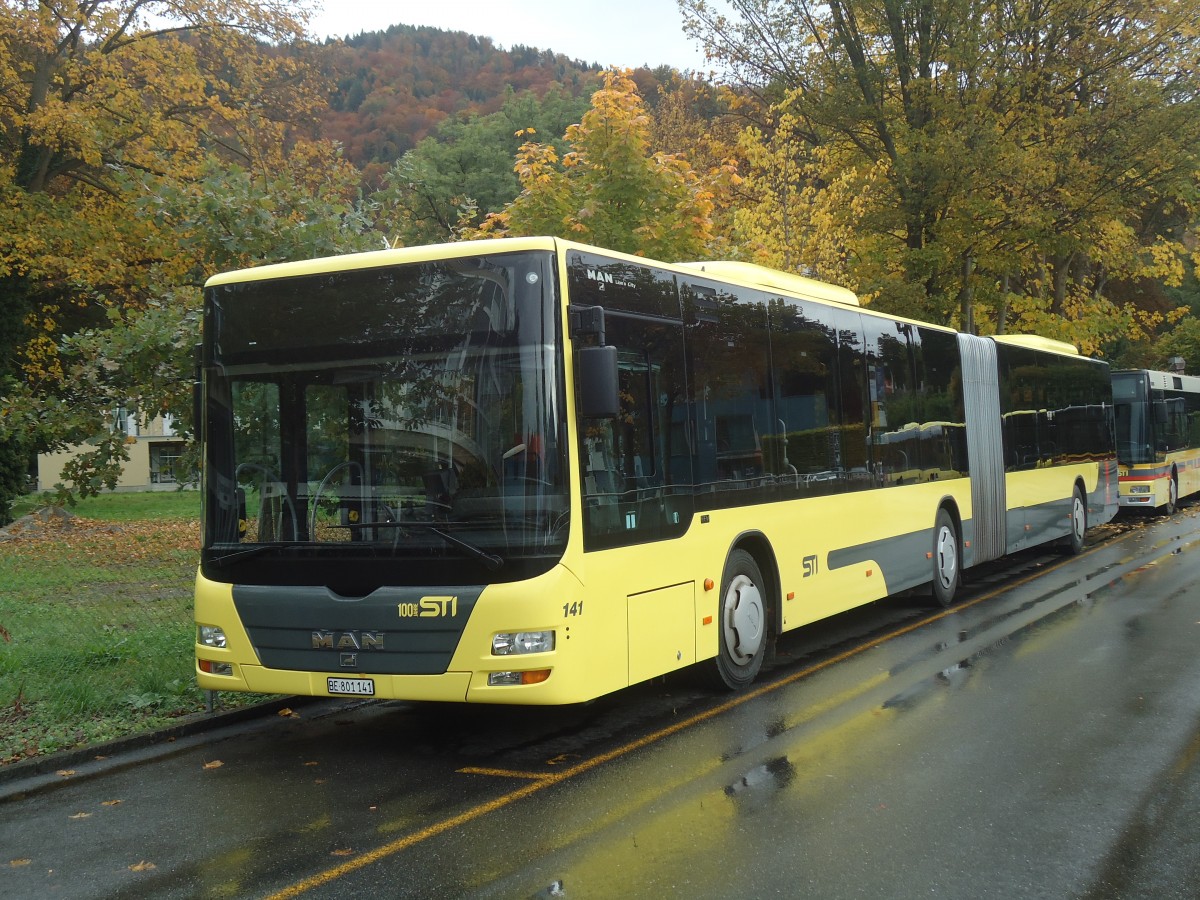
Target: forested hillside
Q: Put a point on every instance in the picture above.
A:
(394, 87)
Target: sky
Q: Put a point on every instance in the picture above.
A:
(626, 33)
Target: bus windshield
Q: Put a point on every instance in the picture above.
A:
(1134, 441)
(404, 413)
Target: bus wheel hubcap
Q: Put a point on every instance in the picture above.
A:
(743, 620)
(947, 557)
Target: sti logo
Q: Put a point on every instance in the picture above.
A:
(429, 608)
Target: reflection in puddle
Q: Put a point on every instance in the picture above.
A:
(758, 784)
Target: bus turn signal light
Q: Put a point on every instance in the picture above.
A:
(536, 676)
(215, 668)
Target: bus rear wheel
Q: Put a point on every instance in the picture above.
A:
(945, 559)
(743, 632)
(1074, 540)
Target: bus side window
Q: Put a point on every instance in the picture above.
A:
(630, 461)
(809, 453)
(894, 413)
(730, 393)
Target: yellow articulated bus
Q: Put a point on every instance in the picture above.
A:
(532, 471)
(1158, 438)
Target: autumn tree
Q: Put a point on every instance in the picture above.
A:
(99, 99)
(996, 164)
(457, 177)
(696, 119)
(610, 188)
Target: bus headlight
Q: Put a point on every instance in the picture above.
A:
(514, 643)
(210, 636)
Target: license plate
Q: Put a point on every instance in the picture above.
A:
(359, 687)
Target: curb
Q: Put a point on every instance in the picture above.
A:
(40, 773)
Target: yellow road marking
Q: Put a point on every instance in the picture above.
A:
(503, 773)
(552, 778)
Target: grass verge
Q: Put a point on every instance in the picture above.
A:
(96, 628)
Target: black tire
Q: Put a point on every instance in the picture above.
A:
(1074, 540)
(743, 622)
(947, 556)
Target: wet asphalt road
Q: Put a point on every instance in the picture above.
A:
(1042, 739)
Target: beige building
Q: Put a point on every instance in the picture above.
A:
(154, 449)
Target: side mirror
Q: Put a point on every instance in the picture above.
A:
(596, 377)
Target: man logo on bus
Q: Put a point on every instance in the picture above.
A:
(347, 640)
(429, 607)
(608, 278)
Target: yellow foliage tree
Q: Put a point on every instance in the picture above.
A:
(96, 97)
(102, 104)
(997, 166)
(610, 189)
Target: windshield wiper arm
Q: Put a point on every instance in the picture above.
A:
(241, 554)
(490, 561)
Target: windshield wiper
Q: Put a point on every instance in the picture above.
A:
(491, 561)
(240, 554)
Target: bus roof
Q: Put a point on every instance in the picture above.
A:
(1166, 381)
(748, 274)
(761, 276)
(1035, 342)
(743, 272)
(376, 258)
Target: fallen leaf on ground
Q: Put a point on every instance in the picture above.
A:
(23, 861)
(289, 713)
(142, 866)
(215, 764)
(65, 773)
(112, 802)
(80, 815)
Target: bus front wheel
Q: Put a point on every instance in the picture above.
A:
(1172, 494)
(945, 558)
(743, 622)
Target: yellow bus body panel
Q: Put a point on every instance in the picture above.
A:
(628, 614)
